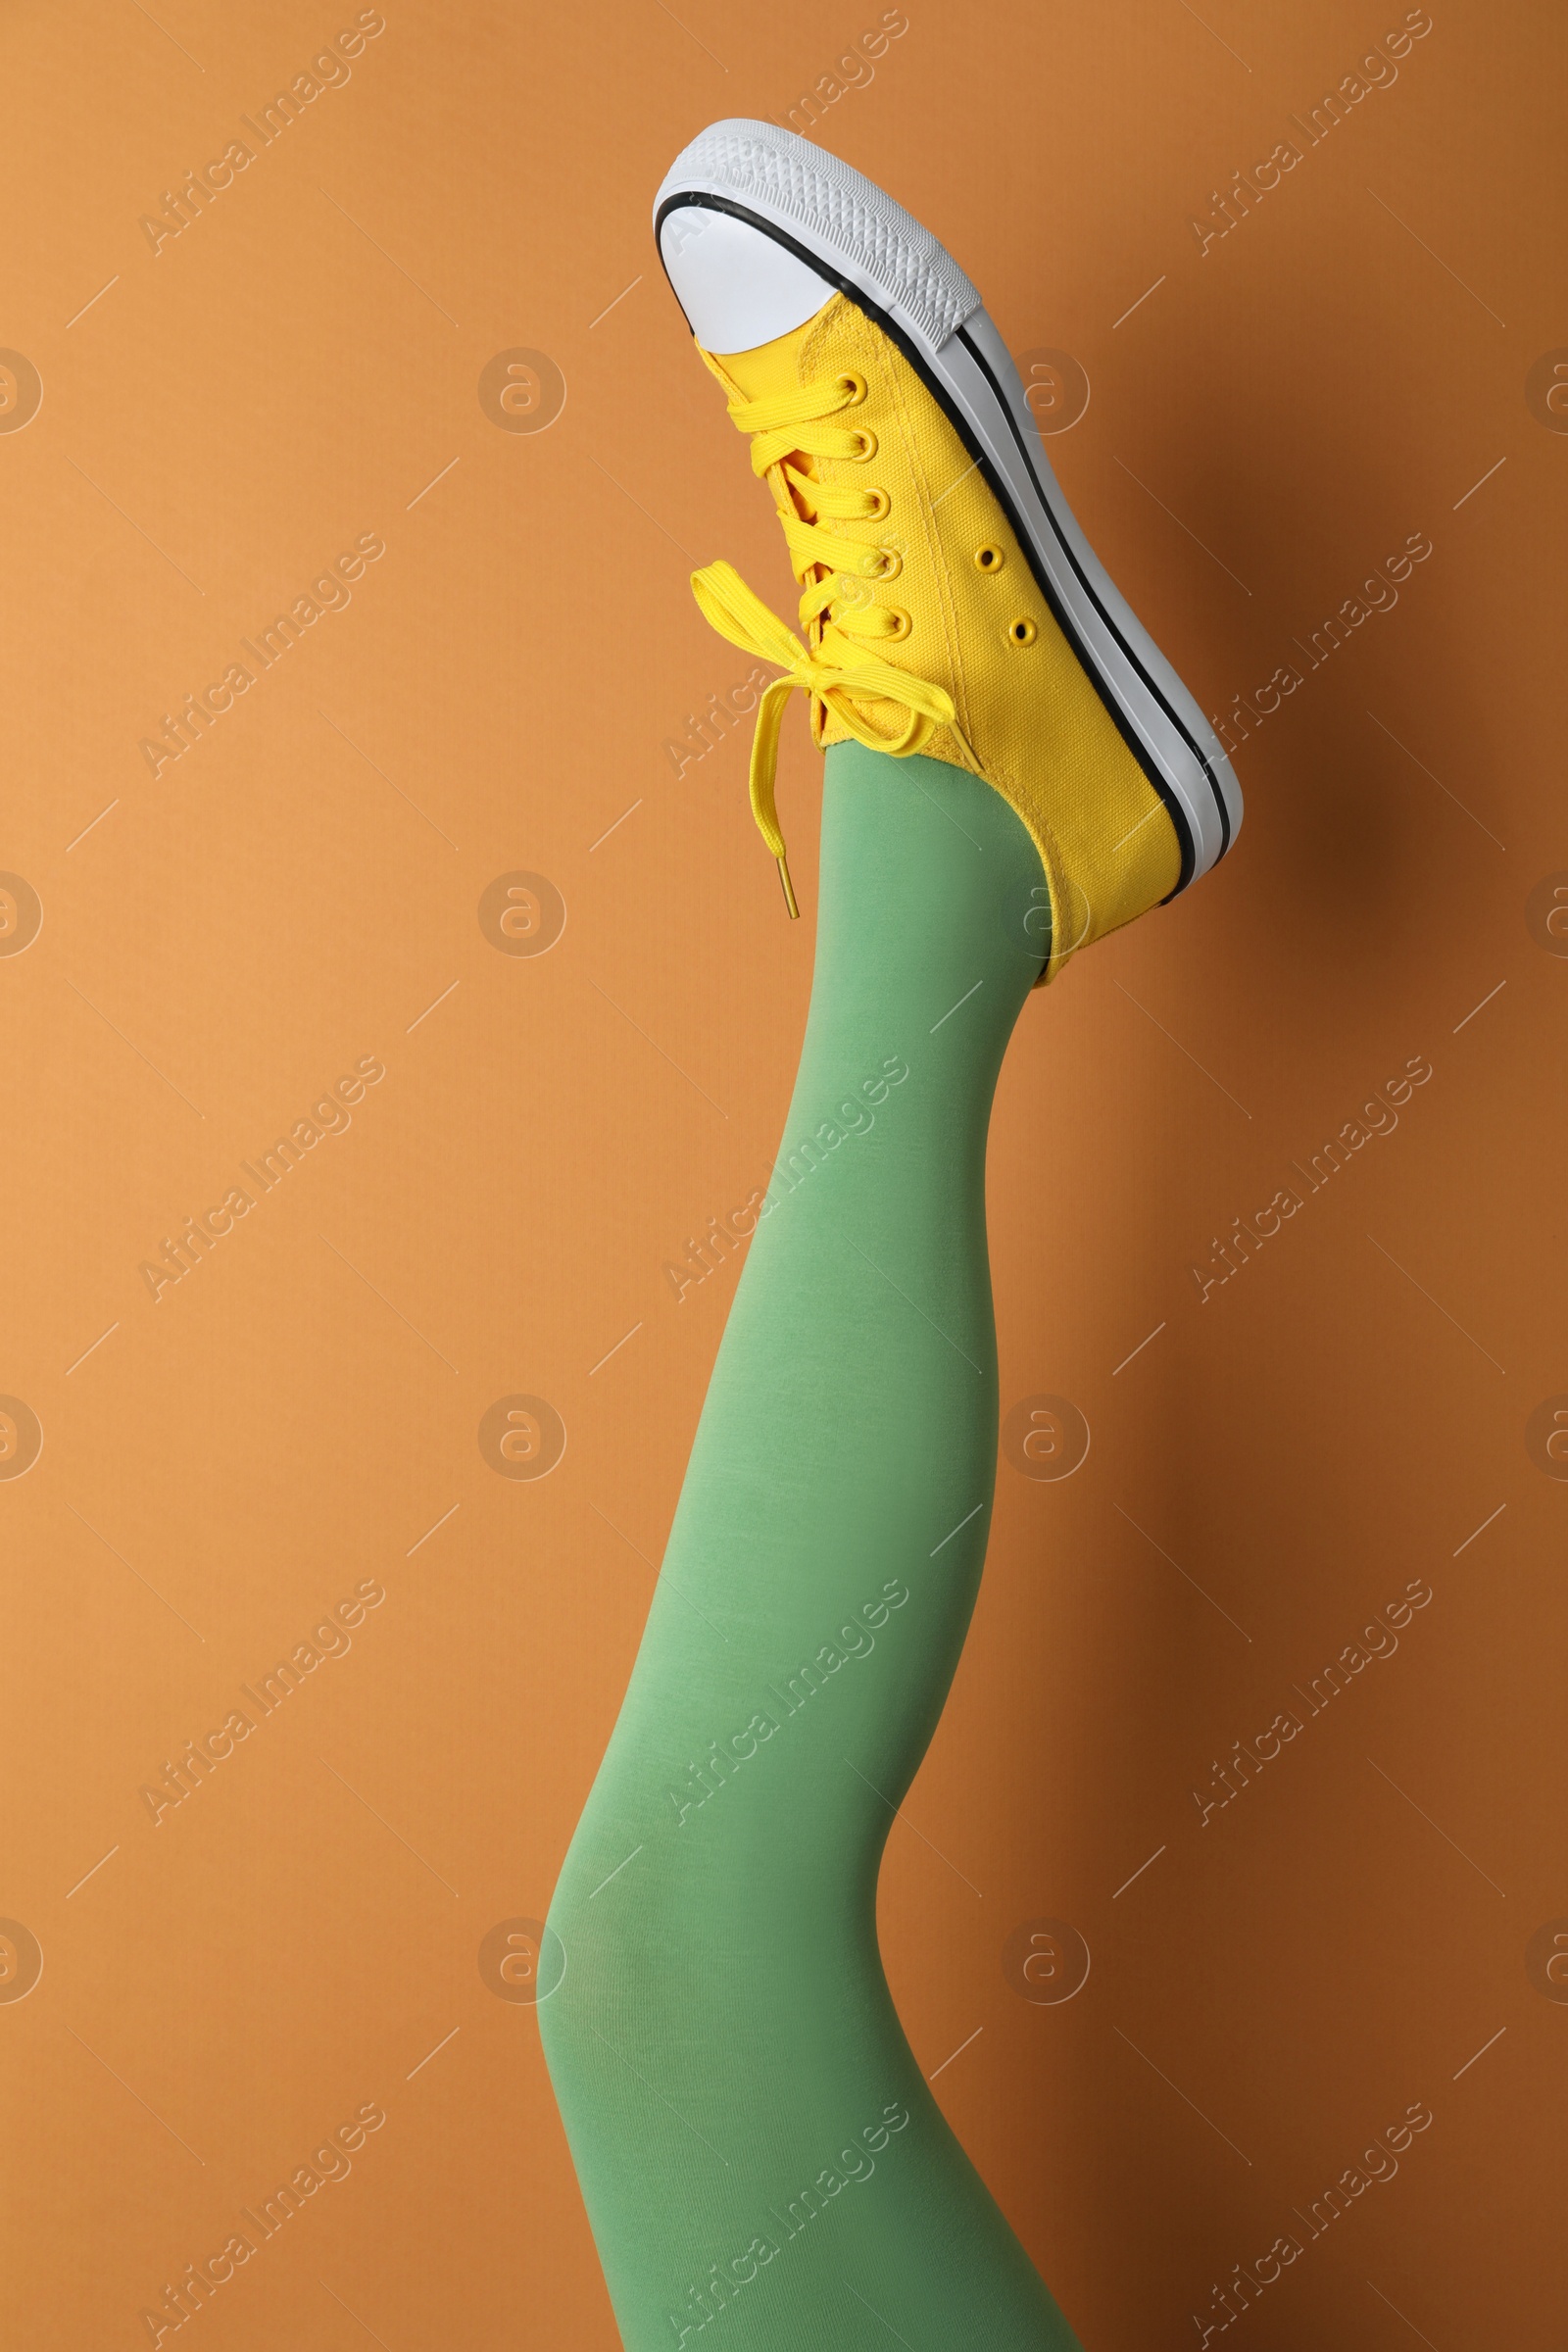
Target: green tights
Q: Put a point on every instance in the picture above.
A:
(764, 2164)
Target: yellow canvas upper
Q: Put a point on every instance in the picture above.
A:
(890, 521)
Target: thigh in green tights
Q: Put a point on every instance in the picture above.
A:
(763, 2163)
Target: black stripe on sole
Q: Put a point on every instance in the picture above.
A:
(1092, 594)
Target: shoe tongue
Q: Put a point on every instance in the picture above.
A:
(771, 367)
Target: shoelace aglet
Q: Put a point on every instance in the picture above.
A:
(788, 888)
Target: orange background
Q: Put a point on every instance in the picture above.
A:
(300, 367)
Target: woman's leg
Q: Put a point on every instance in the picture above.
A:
(757, 2148)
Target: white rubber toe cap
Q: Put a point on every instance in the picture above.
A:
(737, 286)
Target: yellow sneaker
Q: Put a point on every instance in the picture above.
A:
(951, 604)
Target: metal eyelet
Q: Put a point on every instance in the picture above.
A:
(902, 624)
(989, 558)
(1022, 632)
(856, 388)
(881, 563)
(880, 506)
(868, 445)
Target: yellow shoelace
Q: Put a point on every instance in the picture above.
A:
(829, 667)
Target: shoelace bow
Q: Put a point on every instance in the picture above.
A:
(829, 667)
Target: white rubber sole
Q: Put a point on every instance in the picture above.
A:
(846, 229)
